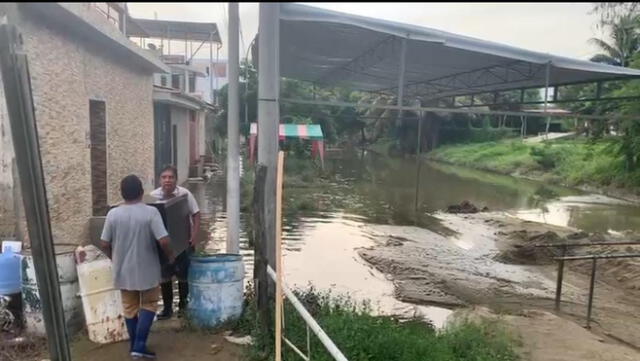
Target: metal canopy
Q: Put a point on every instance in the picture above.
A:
(337, 49)
(177, 30)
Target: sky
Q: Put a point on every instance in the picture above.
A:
(556, 28)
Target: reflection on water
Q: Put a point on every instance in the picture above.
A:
(319, 245)
(384, 191)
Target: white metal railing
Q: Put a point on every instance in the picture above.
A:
(311, 325)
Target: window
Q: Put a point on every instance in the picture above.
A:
(174, 145)
(175, 81)
(192, 83)
(98, 137)
(163, 80)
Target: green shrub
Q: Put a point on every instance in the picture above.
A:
(363, 336)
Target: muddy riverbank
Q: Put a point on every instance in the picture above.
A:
(469, 269)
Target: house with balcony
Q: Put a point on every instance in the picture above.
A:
(181, 109)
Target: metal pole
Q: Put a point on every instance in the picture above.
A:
(279, 313)
(19, 100)
(591, 287)
(403, 60)
(233, 135)
(186, 81)
(546, 96)
(211, 67)
(215, 93)
(418, 163)
(309, 320)
(560, 276)
(269, 115)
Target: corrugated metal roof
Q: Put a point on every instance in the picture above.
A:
(179, 30)
(333, 48)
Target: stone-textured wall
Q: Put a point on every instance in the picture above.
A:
(7, 158)
(66, 72)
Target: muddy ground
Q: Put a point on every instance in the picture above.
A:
(490, 262)
(170, 339)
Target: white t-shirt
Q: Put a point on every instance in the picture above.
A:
(193, 205)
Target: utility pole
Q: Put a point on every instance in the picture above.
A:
(269, 115)
(233, 135)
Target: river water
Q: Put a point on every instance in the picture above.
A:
(320, 245)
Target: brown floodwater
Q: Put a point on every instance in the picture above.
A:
(320, 245)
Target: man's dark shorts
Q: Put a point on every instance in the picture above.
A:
(180, 267)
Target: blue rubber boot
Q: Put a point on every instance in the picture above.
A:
(145, 320)
(132, 326)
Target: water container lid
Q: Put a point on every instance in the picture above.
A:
(217, 257)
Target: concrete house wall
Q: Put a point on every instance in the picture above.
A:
(180, 122)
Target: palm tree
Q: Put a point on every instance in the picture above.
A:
(626, 41)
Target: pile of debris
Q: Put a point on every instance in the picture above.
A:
(523, 249)
(465, 207)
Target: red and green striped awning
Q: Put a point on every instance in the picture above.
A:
(302, 131)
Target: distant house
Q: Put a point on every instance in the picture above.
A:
(181, 106)
(218, 78)
(93, 99)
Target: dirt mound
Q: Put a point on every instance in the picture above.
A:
(465, 207)
(523, 250)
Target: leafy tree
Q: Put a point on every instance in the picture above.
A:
(629, 145)
(610, 11)
(625, 41)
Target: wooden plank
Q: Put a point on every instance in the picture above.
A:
(260, 257)
(279, 180)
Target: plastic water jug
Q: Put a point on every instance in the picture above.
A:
(10, 281)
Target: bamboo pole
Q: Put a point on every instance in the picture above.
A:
(279, 180)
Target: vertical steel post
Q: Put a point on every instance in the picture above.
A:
(308, 344)
(546, 96)
(598, 90)
(560, 277)
(186, 81)
(401, 72)
(418, 151)
(233, 134)
(269, 115)
(17, 86)
(211, 67)
(591, 287)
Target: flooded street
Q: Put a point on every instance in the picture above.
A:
(373, 197)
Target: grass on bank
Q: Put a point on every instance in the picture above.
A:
(567, 162)
(362, 336)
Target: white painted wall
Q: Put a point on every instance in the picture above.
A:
(180, 118)
(201, 118)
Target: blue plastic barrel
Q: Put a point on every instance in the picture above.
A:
(10, 281)
(216, 289)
